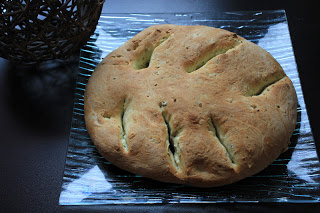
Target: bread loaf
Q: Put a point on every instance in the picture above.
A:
(193, 105)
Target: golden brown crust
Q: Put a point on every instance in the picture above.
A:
(190, 104)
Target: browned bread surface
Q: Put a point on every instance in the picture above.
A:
(194, 105)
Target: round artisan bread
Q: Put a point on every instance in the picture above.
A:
(194, 105)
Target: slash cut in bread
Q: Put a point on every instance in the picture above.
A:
(193, 105)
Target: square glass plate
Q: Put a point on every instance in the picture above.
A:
(89, 179)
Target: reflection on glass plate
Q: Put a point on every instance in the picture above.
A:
(89, 179)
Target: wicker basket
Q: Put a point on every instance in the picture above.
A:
(32, 31)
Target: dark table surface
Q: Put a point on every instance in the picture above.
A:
(36, 108)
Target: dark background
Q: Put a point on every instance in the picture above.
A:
(36, 108)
